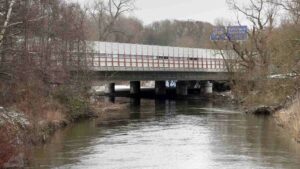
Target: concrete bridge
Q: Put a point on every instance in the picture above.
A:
(113, 62)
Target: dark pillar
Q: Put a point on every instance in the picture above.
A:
(135, 88)
(110, 89)
(110, 99)
(182, 88)
(160, 88)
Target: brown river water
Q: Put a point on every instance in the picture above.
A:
(188, 134)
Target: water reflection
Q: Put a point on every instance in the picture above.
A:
(110, 99)
(169, 135)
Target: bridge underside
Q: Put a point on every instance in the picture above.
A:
(159, 76)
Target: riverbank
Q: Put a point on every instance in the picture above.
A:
(19, 132)
(286, 115)
(289, 118)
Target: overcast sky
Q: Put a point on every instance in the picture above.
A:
(200, 10)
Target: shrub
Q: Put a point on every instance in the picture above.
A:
(74, 102)
(7, 149)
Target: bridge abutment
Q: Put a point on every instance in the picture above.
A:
(160, 88)
(182, 88)
(135, 88)
(110, 89)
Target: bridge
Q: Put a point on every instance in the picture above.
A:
(112, 62)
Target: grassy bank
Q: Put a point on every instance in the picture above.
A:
(289, 118)
(272, 97)
(34, 116)
(19, 132)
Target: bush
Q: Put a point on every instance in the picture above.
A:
(7, 149)
(74, 102)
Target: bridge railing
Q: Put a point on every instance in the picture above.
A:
(124, 56)
(107, 56)
(136, 62)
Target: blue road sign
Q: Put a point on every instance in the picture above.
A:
(237, 33)
(218, 34)
(234, 33)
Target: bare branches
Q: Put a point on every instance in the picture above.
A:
(7, 20)
(106, 15)
(254, 54)
(260, 13)
(292, 6)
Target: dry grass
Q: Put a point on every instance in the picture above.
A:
(263, 92)
(289, 118)
(100, 107)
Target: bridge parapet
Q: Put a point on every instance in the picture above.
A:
(117, 57)
(107, 56)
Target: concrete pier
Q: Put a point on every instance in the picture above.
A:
(110, 89)
(182, 88)
(135, 88)
(160, 88)
(208, 87)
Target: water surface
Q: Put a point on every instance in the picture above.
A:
(171, 135)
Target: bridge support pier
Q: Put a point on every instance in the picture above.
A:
(160, 88)
(207, 87)
(135, 88)
(110, 89)
(182, 88)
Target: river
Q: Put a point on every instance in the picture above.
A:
(189, 134)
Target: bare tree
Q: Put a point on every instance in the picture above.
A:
(254, 53)
(106, 14)
(292, 6)
(7, 14)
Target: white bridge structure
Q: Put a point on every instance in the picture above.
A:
(109, 56)
(112, 62)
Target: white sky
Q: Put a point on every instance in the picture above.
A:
(201, 10)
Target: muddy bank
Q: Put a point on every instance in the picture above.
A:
(263, 110)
